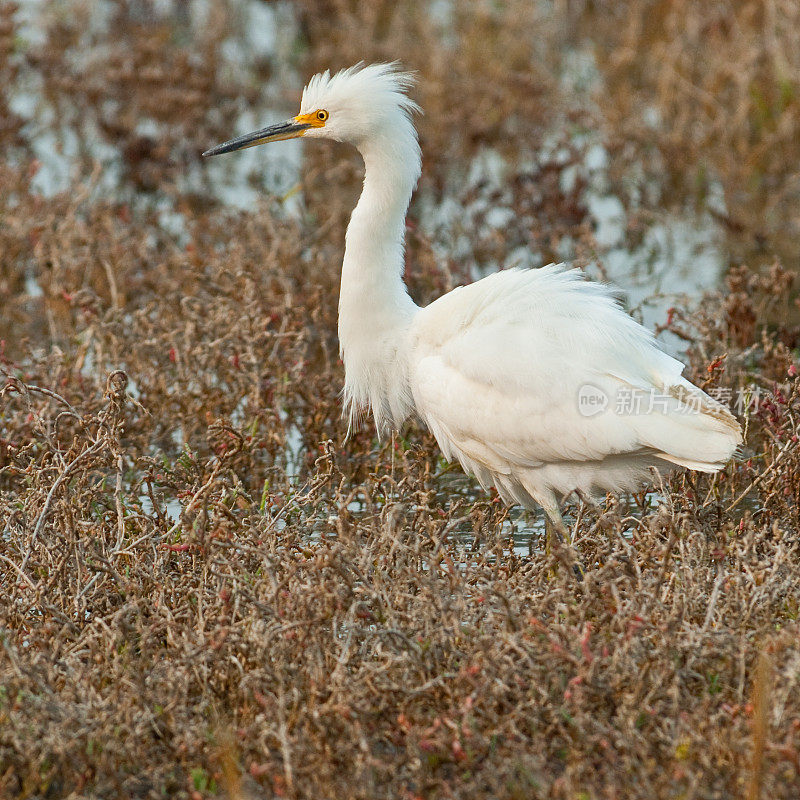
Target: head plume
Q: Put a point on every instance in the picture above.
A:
(361, 100)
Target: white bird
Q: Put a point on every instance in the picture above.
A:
(535, 380)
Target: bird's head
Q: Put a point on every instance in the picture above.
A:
(358, 105)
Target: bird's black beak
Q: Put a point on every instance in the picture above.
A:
(274, 133)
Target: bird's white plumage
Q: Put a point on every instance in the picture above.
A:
(495, 369)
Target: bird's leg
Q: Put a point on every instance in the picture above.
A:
(554, 523)
(556, 529)
(558, 536)
(587, 503)
(587, 499)
(550, 533)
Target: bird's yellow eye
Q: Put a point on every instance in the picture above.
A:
(313, 119)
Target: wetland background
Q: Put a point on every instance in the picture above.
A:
(205, 589)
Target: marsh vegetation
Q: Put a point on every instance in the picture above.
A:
(205, 589)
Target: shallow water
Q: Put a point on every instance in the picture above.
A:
(61, 143)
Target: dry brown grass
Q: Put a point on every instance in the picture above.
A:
(325, 619)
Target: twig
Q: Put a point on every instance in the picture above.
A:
(18, 571)
(713, 600)
(761, 476)
(118, 503)
(195, 498)
(15, 383)
(95, 448)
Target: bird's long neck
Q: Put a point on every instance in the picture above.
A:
(375, 310)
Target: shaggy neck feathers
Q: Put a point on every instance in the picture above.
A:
(375, 310)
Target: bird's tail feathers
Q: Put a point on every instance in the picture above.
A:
(697, 466)
(703, 435)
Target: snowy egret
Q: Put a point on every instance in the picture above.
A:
(537, 381)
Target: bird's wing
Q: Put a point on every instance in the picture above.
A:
(501, 370)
